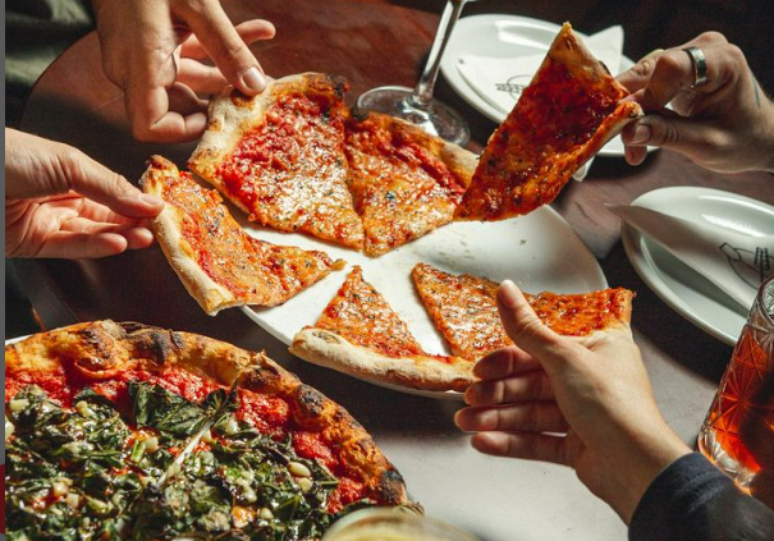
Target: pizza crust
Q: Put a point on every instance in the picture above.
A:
(330, 350)
(210, 295)
(101, 349)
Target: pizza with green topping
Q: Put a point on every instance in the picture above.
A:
(122, 431)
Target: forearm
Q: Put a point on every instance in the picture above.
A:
(693, 500)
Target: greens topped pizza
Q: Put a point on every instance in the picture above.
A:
(118, 431)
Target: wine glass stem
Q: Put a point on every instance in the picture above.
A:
(423, 93)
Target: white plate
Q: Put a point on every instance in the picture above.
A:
(538, 252)
(479, 35)
(683, 289)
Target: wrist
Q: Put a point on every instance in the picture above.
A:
(648, 457)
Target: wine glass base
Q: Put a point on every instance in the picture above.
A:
(438, 119)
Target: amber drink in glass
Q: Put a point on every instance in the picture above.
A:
(738, 433)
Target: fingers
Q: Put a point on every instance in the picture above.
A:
(533, 385)
(527, 446)
(93, 180)
(528, 332)
(152, 119)
(225, 46)
(200, 78)
(657, 80)
(249, 31)
(184, 100)
(78, 245)
(527, 417)
(695, 138)
(505, 362)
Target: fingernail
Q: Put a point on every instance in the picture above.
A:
(642, 133)
(254, 79)
(151, 200)
(508, 294)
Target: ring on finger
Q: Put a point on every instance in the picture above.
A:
(699, 63)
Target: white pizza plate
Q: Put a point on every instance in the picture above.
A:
(687, 292)
(15, 340)
(506, 36)
(538, 252)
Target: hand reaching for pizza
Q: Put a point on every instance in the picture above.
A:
(594, 389)
(152, 50)
(60, 203)
(724, 124)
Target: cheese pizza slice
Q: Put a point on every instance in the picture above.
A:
(405, 182)
(279, 156)
(218, 262)
(568, 112)
(360, 334)
(464, 310)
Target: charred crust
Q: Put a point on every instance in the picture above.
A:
(154, 344)
(391, 487)
(311, 402)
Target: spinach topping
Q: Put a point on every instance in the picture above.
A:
(86, 474)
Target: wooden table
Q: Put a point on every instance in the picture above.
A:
(373, 44)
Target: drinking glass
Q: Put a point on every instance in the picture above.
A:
(417, 105)
(738, 433)
(389, 524)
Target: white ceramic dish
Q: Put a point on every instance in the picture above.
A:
(538, 252)
(684, 290)
(506, 36)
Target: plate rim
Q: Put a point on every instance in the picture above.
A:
(457, 83)
(649, 273)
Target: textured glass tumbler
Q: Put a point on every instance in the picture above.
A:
(385, 524)
(738, 433)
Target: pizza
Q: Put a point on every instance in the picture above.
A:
(570, 109)
(359, 334)
(405, 182)
(280, 157)
(217, 261)
(464, 310)
(296, 159)
(123, 431)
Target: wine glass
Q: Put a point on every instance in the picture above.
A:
(417, 105)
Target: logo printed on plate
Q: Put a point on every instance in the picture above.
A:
(515, 85)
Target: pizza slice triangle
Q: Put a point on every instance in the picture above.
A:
(405, 182)
(359, 334)
(280, 157)
(464, 310)
(568, 112)
(218, 262)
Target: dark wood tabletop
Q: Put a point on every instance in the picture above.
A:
(372, 44)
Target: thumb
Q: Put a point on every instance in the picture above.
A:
(526, 329)
(94, 181)
(228, 50)
(672, 132)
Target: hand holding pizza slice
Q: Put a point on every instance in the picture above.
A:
(569, 111)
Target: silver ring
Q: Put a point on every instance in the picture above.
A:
(699, 62)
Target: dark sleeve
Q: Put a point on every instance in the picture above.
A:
(691, 500)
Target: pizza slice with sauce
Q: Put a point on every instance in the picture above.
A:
(464, 310)
(405, 182)
(97, 415)
(568, 112)
(359, 334)
(217, 261)
(279, 156)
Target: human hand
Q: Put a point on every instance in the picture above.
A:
(60, 203)
(725, 124)
(594, 389)
(152, 49)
